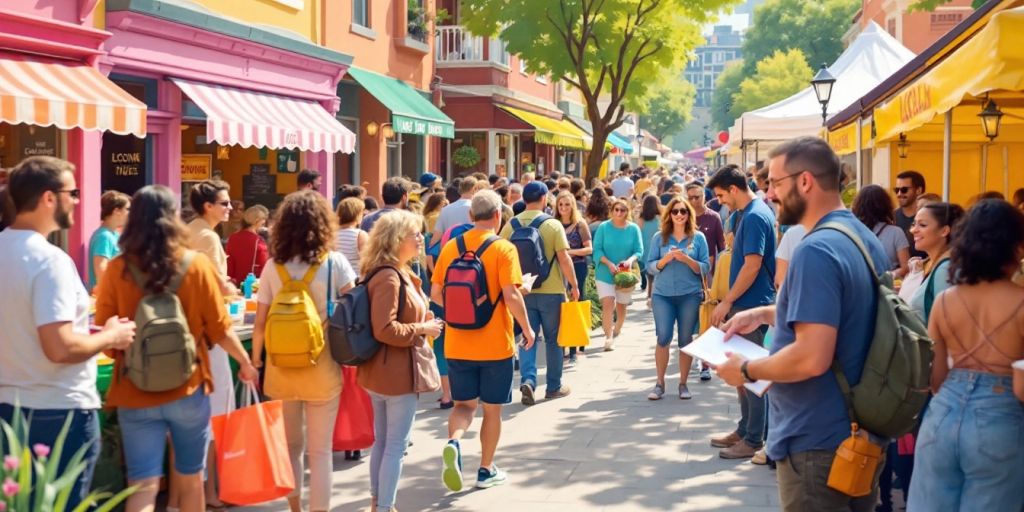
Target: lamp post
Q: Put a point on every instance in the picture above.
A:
(823, 82)
(902, 145)
(990, 118)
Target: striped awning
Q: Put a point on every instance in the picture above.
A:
(249, 118)
(66, 96)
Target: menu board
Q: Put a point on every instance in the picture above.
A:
(123, 163)
(259, 187)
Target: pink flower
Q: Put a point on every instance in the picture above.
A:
(3, 506)
(10, 487)
(41, 450)
(10, 463)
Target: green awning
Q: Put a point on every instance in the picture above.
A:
(410, 112)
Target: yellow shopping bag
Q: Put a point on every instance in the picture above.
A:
(574, 328)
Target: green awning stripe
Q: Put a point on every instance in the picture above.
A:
(410, 112)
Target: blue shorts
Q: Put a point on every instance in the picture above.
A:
(144, 433)
(490, 381)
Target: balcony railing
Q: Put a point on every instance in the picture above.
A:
(455, 44)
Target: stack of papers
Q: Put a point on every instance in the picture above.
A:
(712, 348)
(528, 282)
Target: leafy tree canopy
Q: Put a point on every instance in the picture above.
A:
(726, 87)
(669, 108)
(779, 76)
(930, 5)
(814, 26)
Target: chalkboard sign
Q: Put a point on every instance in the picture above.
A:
(258, 185)
(123, 163)
(259, 169)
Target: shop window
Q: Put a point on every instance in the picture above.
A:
(361, 12)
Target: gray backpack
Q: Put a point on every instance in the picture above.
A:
(163, 356)
(894, 386)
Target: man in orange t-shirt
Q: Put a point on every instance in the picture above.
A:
(480, 360)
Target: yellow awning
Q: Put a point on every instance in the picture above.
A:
(555, 132)
(844, 139)
(992, 60)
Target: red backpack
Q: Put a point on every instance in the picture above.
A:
(467, 304)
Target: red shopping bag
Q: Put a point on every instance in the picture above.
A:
(252, 452)
(353, 429)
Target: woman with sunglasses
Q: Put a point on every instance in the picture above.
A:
(617, 245)
(580, 244)
(678, 258)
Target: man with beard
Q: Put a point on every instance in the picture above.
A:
(395, 193)
(48, 365)
(751, 285)
(909, 187)
(825, 314)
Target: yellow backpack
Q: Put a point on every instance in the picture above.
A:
(294, 333)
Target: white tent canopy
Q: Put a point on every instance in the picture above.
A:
(873, 57)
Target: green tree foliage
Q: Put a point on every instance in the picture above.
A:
(670, 108)
(726, 87)
(930, 5)
(779, 76)
(611, 50)
(814, 26)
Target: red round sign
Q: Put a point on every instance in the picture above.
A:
(723, 136)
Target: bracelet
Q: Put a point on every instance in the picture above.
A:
(746, 374)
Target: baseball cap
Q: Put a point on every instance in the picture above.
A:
(534, 191)
(428, 179)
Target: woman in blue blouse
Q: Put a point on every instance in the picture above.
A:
(678, 259)
(617, 244)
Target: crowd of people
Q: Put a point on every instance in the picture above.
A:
(467, 279)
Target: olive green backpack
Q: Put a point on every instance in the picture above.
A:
(163, 356)
(895, 383)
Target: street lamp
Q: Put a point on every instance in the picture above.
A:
(902, 145)
(990, 118)
(822, 83)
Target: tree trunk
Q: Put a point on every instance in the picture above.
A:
(596, 156)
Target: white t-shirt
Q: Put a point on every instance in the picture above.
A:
(622, 187)
(453, 215)
(790, 239)
(41, 287)
(341, 274)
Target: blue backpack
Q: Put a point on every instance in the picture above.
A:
(530, 246)
(349, 330)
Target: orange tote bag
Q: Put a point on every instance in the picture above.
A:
(252, 452)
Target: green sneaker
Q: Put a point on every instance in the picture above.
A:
(451, 475)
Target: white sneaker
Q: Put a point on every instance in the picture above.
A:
(489, 478)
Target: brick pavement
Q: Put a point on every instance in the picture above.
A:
(604, 448)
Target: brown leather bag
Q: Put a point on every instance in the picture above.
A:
(425, 377)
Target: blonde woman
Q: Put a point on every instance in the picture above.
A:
(404, 366)
(617, 245)
(303, 238)
(580, 244)
(679, 258)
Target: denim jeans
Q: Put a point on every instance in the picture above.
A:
(676, 313)
(753, 409)
(970, 449)
(393, 417)
(545, 312)
(144, 433)
(43, 427)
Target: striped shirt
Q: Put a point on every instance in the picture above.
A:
(348, 246)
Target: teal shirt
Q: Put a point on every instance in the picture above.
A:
(616, 244)
(647, 231)
(104, 244)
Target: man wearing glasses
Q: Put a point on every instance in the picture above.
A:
(909, 186)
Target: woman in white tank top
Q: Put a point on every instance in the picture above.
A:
(351, 239)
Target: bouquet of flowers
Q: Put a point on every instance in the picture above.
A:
(48, 490)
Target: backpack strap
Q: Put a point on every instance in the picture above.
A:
(515, 223)
(487, 243)
(540, 219)
(929, 288)
(307, 278)
(186, 261)
(460, 242)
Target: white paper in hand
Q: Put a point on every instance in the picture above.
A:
(528, 282)
(712, 348)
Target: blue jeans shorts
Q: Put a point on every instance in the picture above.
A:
(490, 381)
(144, 433)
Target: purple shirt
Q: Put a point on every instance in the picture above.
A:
(711, 225)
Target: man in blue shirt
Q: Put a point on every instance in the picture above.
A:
(751, 285)
(395, 193)
(825, 312)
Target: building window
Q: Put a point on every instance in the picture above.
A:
(890, 26)
(522, 66)
(361, 12)
(946, 20)
(417, 18)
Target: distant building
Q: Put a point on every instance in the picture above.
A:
(916, 30)
(724, 45)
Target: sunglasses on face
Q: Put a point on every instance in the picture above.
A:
(74, 193)
(679, 211)
(619, 210)
(901, 190)
(225, 204)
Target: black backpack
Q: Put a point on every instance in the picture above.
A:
(530, 246)
(349, 331)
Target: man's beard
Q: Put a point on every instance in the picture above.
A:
(792, 208)
(63, 217)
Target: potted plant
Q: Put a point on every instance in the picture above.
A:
(466, 157)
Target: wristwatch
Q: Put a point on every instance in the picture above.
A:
(743, 370)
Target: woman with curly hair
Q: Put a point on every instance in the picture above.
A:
(970, 449)
(155, 257)
(404, 366)
(302, 243)
(874, 207)
(598, 209)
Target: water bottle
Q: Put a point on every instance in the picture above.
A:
(247, 285)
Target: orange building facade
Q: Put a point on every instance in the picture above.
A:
(915, 30)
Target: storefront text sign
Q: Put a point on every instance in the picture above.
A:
(418, 127)
(196, 167)
(915, 100)
(123, 160)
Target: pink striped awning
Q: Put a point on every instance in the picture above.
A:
(66, 96)
(249, 118)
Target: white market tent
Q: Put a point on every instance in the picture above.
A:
(869, 60)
